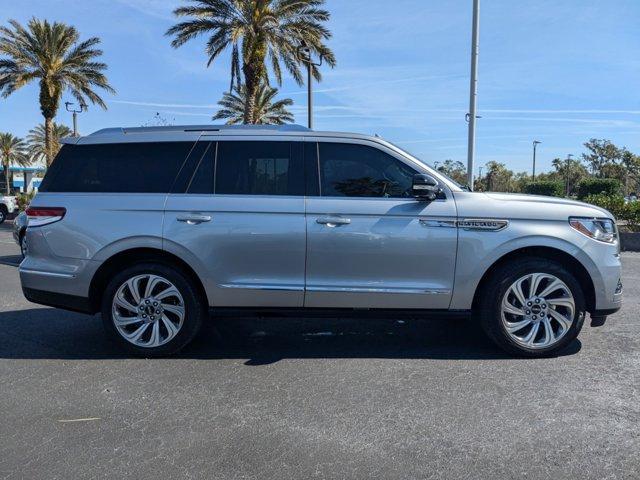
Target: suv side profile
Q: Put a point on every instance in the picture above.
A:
(158, 227)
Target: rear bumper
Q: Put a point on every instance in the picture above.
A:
(58, 300)
(604, 313)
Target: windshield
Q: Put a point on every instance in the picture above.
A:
(442, 174)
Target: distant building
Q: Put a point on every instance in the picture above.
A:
(23, 179)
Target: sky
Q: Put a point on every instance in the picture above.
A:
(560, 72)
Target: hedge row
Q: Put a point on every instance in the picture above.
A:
(623, 211)
(546, 187)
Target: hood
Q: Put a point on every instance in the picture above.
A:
(516, 205)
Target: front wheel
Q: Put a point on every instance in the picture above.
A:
(3, 214)
(152, 310)
(533, 308)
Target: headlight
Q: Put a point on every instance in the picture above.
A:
(601, 229)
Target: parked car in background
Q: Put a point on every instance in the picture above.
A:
(19, 230)
(289, 219)
(8, 206)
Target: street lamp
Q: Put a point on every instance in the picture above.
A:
(473, 100)
(305, 56)
(83, 108)
(535, 145)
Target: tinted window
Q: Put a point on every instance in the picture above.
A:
(120, 168)
(194, 161)
(202, 179)
(348, 170)
(259, 168)
(311, 169)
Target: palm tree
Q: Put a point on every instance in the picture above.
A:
(12, 151)
(266, 111)
(52, 54)
(258, 32)
(36, 141)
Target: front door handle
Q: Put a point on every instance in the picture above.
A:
(333, 221)
(193, 219)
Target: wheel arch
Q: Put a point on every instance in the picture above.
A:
(573, 265)
(126, 258)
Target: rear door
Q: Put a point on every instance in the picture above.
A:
(240, 219)
(370, 244)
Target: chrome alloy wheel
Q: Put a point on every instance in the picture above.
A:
(538, 310)
(148, 310)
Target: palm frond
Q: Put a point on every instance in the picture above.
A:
(267, 111)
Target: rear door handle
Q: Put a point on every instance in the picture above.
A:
(333, 221)
(194, 219)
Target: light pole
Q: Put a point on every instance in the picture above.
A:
(305, 56)
(535, 145)
(566, 173)
(83, 108)
(471, 116)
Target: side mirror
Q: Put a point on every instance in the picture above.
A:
(425, 187)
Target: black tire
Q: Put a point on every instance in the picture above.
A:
(195, 309)
(490, 305)
(3, 214)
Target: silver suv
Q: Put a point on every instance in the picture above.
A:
(156, 227)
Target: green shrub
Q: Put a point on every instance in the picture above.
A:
(24, 199)
(548, 188)
(597, 186)
(632, 216)
(629, 213)
(614, 203)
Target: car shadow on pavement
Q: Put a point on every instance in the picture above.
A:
(11, 260)
(47, 333)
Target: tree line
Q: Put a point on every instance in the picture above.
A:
(601, 160)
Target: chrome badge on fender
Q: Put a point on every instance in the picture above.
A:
(483, 224)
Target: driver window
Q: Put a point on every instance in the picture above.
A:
(349, 170)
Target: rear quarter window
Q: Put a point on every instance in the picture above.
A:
(116, 168)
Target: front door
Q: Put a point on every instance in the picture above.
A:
(370, 244)
(240, 217)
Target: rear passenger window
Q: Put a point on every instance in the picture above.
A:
(118, 168)
(259, 168)
(202, 179)
(350, 170)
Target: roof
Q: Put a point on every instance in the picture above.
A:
(194, 132)
(205, 128)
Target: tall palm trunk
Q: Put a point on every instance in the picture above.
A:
(252, 91)
(49, 101)
(48, 140)
(254, 71)
(6, 178)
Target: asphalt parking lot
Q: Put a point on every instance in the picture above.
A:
(298, 399)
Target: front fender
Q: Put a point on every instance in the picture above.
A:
(479, 250)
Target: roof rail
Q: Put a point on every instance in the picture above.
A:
(201, 128)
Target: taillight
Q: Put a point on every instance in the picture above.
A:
(39, 216)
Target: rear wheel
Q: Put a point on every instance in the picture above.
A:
(152, 310)
(3, 214)
(533, 308)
